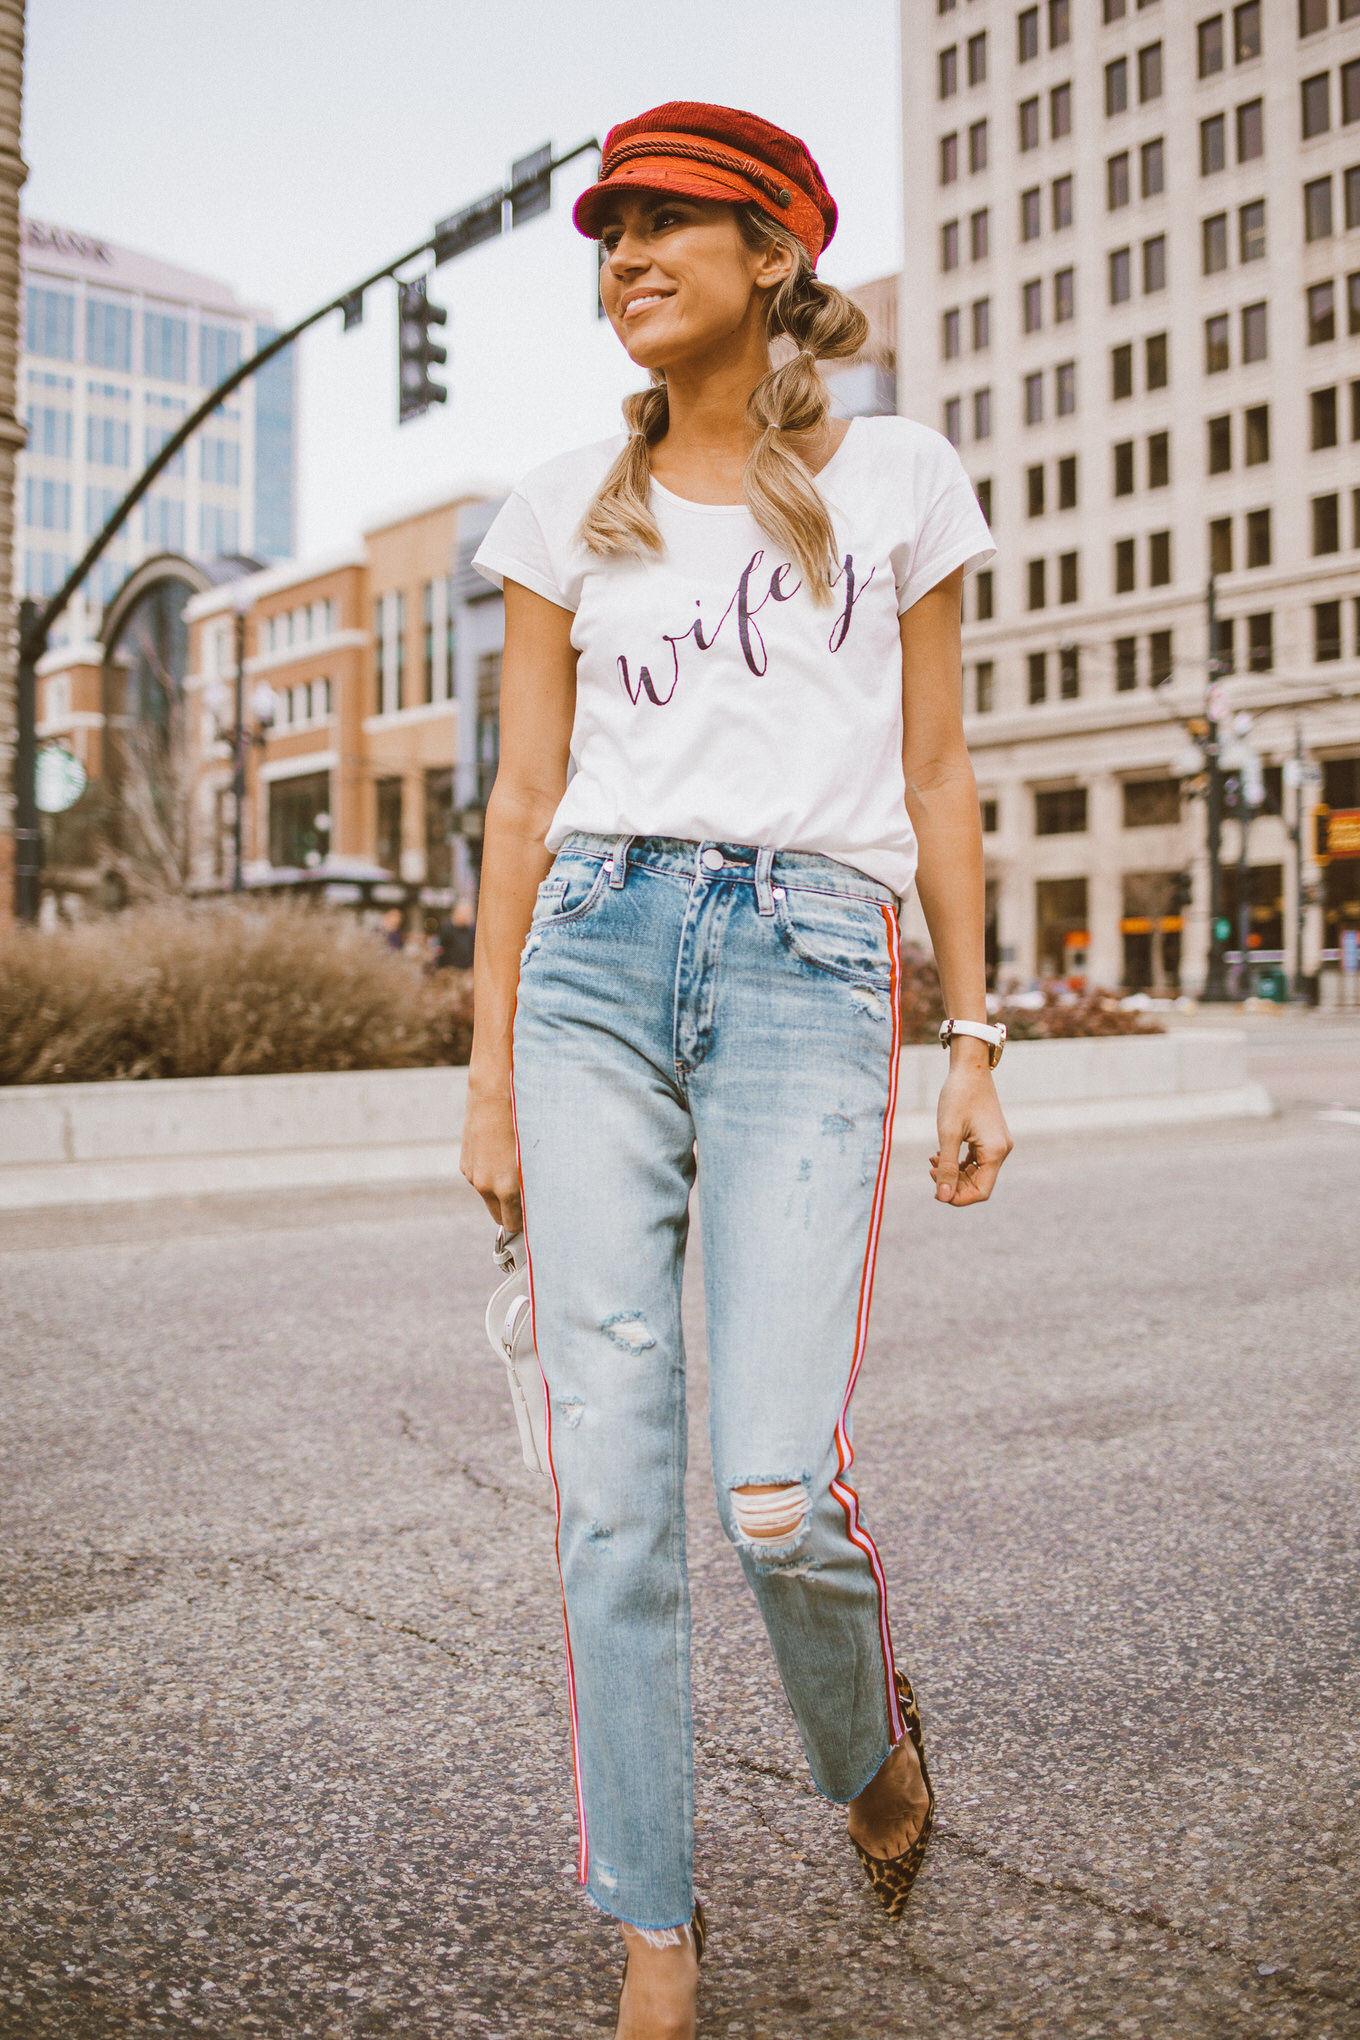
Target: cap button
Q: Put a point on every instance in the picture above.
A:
(783, 198)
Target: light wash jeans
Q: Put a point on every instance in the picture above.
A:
(681, 999)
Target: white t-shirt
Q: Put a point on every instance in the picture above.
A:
(714, 699)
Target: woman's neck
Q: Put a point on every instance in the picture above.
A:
(709, 434)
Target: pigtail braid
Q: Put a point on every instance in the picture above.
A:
(619, 519)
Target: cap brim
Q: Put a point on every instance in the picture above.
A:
(592, 208)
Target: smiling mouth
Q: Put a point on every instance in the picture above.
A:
(644, 304)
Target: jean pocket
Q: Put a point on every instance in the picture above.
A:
(570, 890)
(839, 933)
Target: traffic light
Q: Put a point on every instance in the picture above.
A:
(1182, 891)
(417, 352)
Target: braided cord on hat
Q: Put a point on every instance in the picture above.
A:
(696, 152)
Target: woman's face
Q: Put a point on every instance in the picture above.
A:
(679, 280)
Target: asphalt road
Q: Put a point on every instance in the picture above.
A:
(283, 1742)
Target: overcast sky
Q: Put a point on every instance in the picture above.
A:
(288, 146)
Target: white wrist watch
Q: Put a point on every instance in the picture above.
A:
(995, 1037)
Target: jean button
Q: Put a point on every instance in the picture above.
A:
(712, 860)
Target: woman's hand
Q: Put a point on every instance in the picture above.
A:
(489, 1159)
(969, 1116)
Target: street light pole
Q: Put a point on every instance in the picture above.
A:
(27, 839)
(1215, 980)
(238, 777)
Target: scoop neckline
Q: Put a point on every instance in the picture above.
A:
(741, 509)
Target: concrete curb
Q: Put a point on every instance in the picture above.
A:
(192, 1137)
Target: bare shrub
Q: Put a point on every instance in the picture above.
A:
(219, 991)
(1063, 1015)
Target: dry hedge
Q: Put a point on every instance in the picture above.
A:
(1062, 1016)
(220, 991)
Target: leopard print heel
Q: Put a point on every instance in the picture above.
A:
(893, 1876)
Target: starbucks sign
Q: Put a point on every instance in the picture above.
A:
(60, 781)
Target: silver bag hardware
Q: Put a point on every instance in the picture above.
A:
(509, 1326)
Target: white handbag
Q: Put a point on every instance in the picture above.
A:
(509, 1326)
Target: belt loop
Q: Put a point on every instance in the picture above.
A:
(764, 892)
(618, 859)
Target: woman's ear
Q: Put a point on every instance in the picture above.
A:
(776, 266)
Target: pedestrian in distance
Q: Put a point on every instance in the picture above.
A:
(741, 620)
(456, 939)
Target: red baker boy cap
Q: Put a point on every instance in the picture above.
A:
(713, 152)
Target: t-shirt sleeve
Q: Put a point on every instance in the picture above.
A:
(952, 532)
(515, 549)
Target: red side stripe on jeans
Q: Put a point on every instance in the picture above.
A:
(583, 1852)
(841, 1488)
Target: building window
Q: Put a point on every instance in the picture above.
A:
(1220, 445)
(1059, 112)
(1257, 422)
(47, 504)
(1067, 479)
(1149, 73)
(1034, 491)
(1032, 305)
(1121, 372)
(1351, 182)
(983, 492)
(1213, 144)
(1355, 410)
(108, 334)
(107, 442)
(1251, 231)
(1065, 384)
(50, 323)
(949, 72)
(1060, 811)
(1317, 209)
(1062, 203)
(1315, 105)
(1064, 296)
(1036, 588)
(1151, 803)
(1117, 181)
(165, 345)
(951, 344)
(1059, 23)
(1069, 671)
(1159, 559)
(427, 641)
(985, 595)
(1159, 460)
(949, 245)
(1038, 678)
(1034, 399)
(978, 235)
(1258, 538)
(1068, 578)
(1261, 643)
(949, 158)
(219, 531)
(1116, 86)
(1209, 40)
(1123, 468)
(1114, 10)
(219, 460)
(1312, 16)
(1125, 665)
(983, 695)
(1353, 303)
(1326, 524)
(380, 654)
(1247, 31)
(1029, 125)
(1322, 419)
(1326, 632)
(977, 146)
(1216, 344)
(1214, 244)
(1221, 546)
(1123, 566)
(982, 414)
(1350, 92)
(1251, 131)
(982, 325)
(1030, 225)
(953, 421)
(1121, 276)
(988, 812)
(1156, 361)
(1153, 158)
(219, 352)
(977, 59)
(1253, 332)
(1154, 264)
(1027, 36)
(1321, 314)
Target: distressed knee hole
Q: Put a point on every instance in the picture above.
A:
(770, 1515)
(628, 1329)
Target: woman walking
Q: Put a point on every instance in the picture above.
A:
(740, 623)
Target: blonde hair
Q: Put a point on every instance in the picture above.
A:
(780, 491)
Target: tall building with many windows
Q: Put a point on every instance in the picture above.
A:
(116, 348)
(1132, 300)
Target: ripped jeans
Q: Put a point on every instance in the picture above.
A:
(680, 1000)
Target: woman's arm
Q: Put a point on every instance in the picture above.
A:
(943, 804)
(538, 702)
